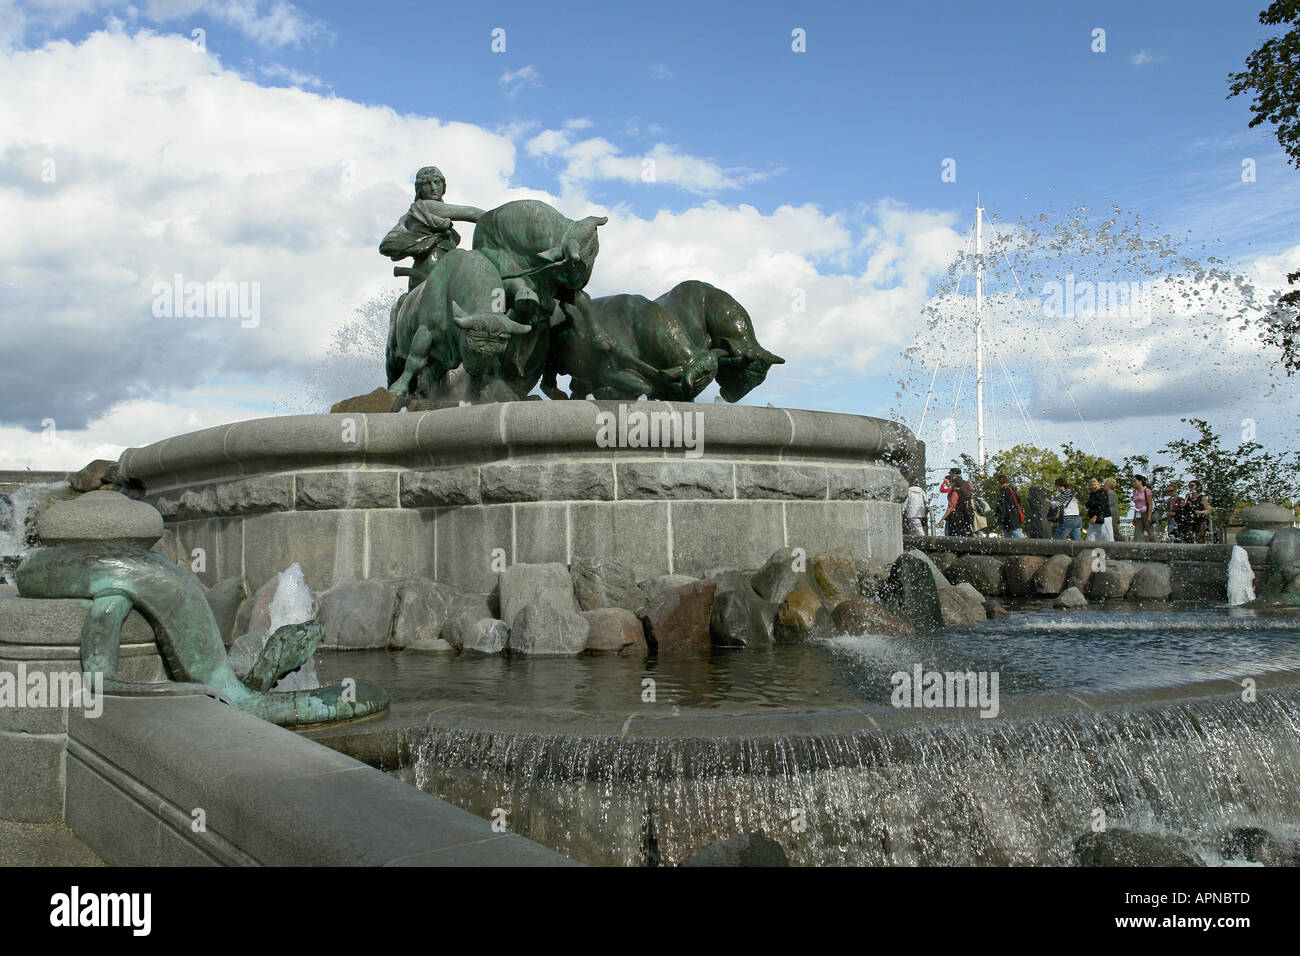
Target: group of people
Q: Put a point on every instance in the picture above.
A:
(1186, 518)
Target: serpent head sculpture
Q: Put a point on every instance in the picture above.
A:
(118, 579)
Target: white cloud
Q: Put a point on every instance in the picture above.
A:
(660, 72)
(512, 81)
(1146, 57)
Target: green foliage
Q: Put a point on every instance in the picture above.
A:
(1027, 465)
(1272, 76)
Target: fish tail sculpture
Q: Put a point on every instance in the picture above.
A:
(117, 580)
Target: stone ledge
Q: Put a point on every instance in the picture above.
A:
(1122, 550)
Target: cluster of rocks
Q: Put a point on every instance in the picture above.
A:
(596, 606)
(1089, 576)
(1120, 846)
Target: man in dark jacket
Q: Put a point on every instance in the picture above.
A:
(1008, 511)
(1098, 508)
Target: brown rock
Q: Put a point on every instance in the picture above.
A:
(836, 576)
(259, 614)
(958, 608)
(1049, 581)
(615, 630)
(380, 400)
(1019, 572)
(994, 609)
(858, 615)
(677, 620)
(802, 615)
(91, 476)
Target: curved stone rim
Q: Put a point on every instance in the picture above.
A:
(479, 432)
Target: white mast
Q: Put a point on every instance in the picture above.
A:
(979, 327)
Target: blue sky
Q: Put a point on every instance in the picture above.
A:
(852, 133)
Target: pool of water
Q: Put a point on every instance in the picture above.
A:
(1036, 652)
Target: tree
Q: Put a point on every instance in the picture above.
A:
(1028, 465)
(1272, 75)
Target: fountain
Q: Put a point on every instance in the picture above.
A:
(1241, 579)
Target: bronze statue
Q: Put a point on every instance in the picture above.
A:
(425, 232)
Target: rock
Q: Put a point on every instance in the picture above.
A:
(860, 615)
(224, 598)
(958, 608)
(521, 583)
(971, 592)
(100, 516)
(912, 591)
(1018, 573)
(1113, 583)
(91, 476)
(1150, 583)
(259, 612)
(605, 582)
(1071, 598)
(1117, 846)
(982, 571)
(944, 561)
(835, 574)
(435, 645)
(654, 586)
(1257, 845)
(1049, 580)
(549, 626)
(615, 630)
(994, 609)
(731, 579)
(677, 620)
(380, 400)
(801, 616)
(783, 572)
(244, 650)
(485, 635)
(1198, 580)
(421, 612)
(1082, 567)
(474, 606)
(747, 849)
(872, 576)
(357, 614)
(740, 618)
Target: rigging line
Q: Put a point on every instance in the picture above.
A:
(1020, 403)
(1052, 353)
(944, 341)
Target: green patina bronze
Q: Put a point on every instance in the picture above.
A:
(117, 580)
(489, 329)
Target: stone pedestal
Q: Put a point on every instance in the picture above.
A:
(458, 494)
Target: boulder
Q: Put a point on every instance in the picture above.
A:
(872, 576)
(1198, 580)
(1113, 583)
(1150, 583)
(981, 571)
(549, 626)
(994, 609)
(357, 614)
(912, 591)
(100, 516)
(958, 608)
(475, 606)
(1117, 846)
(1083, 566)
(747, 849)
(521, 583)
(605, 582)
(860, 615)
(654, 586)
(740, 618)
(92, 476)
(783, 572)
(1049, 580)
(731, 579)
(433, 645)
(944, 561)
(1018, 573)
(1071, 598)
(224, 598)
(380, 400)
(835, 574)
(421, 612)
(801, 616)
(677, 620)
(1257, 845)
(615, 630)
(485, 635)
(259, 610)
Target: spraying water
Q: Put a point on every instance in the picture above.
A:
(1241, 579)
(292, 604)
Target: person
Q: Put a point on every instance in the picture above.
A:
(1065, 511)
(1098, 506)
(1197, 506)
(915, 517)
(1143, 509)
(960, 516)
(1009, 513)
(1175, 514)
(1112, 504)
(949, 487)
(425, 232)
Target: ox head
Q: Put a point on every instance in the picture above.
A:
(576, 253)
(486, 336)
(740, 371)
(693, 376)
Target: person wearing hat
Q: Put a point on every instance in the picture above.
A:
(950, 486)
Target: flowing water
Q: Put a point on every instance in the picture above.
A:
(1104, 715)
(1241, 579)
